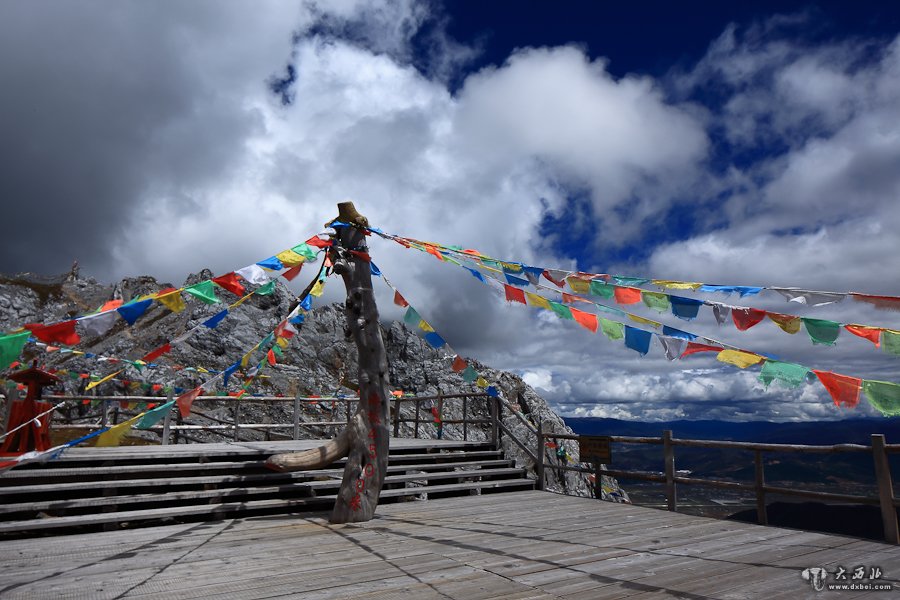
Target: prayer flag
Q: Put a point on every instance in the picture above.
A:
(562, 311)
(306, 251)
(400, 300)
(787, 323)
(185, 401)
(578, 285)
(411, 318)
(637, 339)
(739, 358)
(253, 274)
(629, 281)
(469, 374)
(271, 263)
(627, 295)
(11, 347)
(289, 258)
(873, 334)
(721, 312)
(585, 319)
(644, 321)
(602, 289)
(434, 340)
(94, 384)
(685, 308)
(58, 333)
(822, 331)
(513, 280)
(291, 273)
(514, 294)
(226, 375)
(672, 346)
(458, 364)
(555, 276)
(676, 285)
(612, 329)
(205, 291)
(537, 301)
(215, 319)
(318, 289)
(891, 340)
(672, 332)
(883, 395)
(886, 302)
(808, 297)
(231, 283)
(790, 374)
(153, 355)
(270, 356)
(267, 289)
(476, 274)
(99, 324)
(171, 299)
(745, 318)
(152, 417)
(655, 300)
(113, 436)
(694, 347)
(132, 311)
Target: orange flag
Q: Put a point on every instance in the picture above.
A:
(185, 401)
(585, 319)
(872, 334)
(843, 389)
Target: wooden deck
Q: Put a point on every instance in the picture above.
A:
(512, 545)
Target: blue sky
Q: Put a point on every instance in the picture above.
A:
(754, 144)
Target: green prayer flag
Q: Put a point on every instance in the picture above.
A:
(789, 374)
(412, 318)
(205, 291)
(305, 250)
(277, 350)
(603, 289)
(822, 331)
(469, 374)
(154, 416)
(11, 347)
(562, 311)
(265, 290)
(656, 300)
(891, 341)
(884, 396)
(611, 329)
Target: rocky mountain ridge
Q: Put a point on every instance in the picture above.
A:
(320, 361)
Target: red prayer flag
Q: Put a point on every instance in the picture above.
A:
(887, 302)
(514, 294)
(157, 353)
(271, 357)
(318, 242)
(558, 282)
(110, 305)
(627, 295)
(585, 319)
(843, 389)
(694, 347)
(745, 318)
(459, 364)
(185, 401)
(400, 300)
(292, 272)
(231, 283)
(60, 333)
(870, 333)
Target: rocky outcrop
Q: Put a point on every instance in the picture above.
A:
(321, 361)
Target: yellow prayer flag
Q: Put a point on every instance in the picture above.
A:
(579, 286)
(739, 358)
(677, 285)
(289, 258)
(241, 301)
(245, 360)
(282, 342)
(318, 288)
(538, 301)
(787, 323)
(481, 382)
(511, 267)
(424, 326)
(644, 321)
(94, 384)
(173, 301)
(113, 436)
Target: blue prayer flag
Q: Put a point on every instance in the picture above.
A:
(215, 319)
(685, 308)
(672, 332)
(271, 263)
(434, 339)
(132, 311)
(637, 339)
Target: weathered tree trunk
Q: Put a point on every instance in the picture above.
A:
(366, 439)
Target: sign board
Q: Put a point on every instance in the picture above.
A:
(594, 448)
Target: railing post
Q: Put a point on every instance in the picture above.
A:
(761, 516)
(669, 456)
(397, 417)
(417, 419)
(167, 421)
(495, 417)
(297, 415)
(539, 464)
(348, 410)
(885, 489)
(598, 480)
(236, 418)
(465, 419)
(104, 419)
(440, 411)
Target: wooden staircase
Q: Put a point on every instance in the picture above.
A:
(116, 488)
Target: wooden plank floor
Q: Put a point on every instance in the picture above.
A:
(512, 545)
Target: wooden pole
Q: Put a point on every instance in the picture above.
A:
(669, 456)
(885, 489)
(297, 414)
(539, 453)
(761, 516)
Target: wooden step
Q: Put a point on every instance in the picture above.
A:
(235, 494)
(219, 511)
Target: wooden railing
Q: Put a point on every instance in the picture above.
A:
(109, 414)
(879, 450)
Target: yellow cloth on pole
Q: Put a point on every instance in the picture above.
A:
(538, 301)
(677, 285)
(173, 301)
(94, 384)
(739, 358)
(113, 436)
(289, 258)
